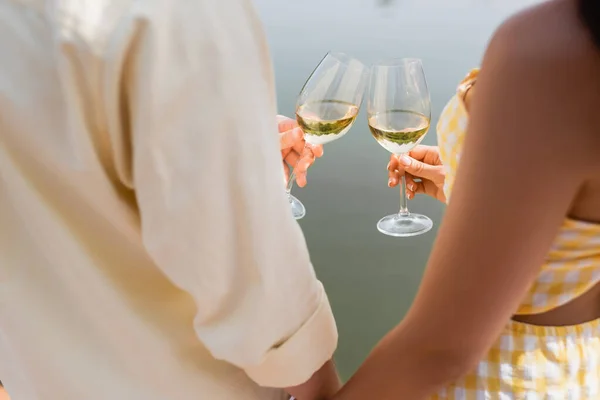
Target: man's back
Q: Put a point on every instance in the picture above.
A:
(86, 310)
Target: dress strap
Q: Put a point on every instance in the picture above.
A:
(466, 84)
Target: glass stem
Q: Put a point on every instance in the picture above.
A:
(403, 199)
(292, 178)
(290, 183)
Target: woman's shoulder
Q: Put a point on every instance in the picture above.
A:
(552, 33)
(544, 63)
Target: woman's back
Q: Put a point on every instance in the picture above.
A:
(570, 40)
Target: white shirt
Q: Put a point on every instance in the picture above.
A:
(147, 249)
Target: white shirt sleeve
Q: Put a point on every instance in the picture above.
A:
(208, 178)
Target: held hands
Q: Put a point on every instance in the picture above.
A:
(423, 163)
(295, 152)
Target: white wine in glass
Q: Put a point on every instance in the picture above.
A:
(399, 114)
(325, 121)
(327, 105)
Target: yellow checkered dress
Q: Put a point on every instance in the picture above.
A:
(531, 362)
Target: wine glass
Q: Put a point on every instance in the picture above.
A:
(327, 106)
(399, 113)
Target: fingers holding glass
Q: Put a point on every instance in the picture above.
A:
(290, 138)
(301, 161)
(413, 187)
(305, 160)
(395, 173)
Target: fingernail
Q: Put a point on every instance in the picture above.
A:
(411, 187)
(409, 195)
(405, 160)
(390, 183)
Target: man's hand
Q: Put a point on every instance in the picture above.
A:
(323, 385)
(3, 394)
(424, 163)
(295, 152)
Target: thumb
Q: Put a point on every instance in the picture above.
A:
(420, 169)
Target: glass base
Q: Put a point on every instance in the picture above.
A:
(404, 225)
(298, 209)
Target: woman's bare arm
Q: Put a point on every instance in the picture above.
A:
(525, 157)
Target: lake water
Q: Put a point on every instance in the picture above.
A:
(371, 279)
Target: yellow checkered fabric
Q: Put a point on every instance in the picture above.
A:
(534, 362)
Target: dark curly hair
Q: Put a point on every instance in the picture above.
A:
(589, 11)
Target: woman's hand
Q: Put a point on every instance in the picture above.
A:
(423, 163)
(295, 152)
